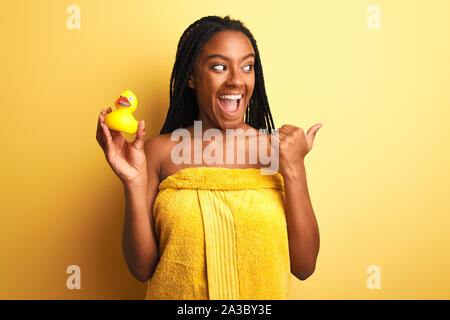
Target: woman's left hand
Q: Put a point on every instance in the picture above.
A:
(293, 146)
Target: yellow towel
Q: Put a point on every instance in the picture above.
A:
(222, 234)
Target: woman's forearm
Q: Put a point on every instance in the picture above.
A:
(303, 231)
(138, 243)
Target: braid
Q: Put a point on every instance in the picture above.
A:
(183, 110)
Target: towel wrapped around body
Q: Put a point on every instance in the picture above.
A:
(222, 235)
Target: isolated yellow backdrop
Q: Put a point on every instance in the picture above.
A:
(378, 173)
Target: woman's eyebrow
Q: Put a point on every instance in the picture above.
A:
(226, 58)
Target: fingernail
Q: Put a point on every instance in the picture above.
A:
(143, 124)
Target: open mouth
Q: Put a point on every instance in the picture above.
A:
(230, 106)
(124, 102)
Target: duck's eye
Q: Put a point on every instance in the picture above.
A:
(121, 96)
(131, 98)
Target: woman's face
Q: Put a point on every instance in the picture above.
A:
(224, 67)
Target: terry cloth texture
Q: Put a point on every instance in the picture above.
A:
(222, 235)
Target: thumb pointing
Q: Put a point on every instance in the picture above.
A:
(311, 134)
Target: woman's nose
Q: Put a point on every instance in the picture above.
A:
(235, 79)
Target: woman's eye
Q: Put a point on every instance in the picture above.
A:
(219, 65)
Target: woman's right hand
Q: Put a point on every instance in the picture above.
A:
(127, 159)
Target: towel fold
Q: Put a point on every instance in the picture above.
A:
(222, 234)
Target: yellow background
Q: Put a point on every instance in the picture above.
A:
(378, 173)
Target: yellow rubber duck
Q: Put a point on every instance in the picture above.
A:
(122, 118)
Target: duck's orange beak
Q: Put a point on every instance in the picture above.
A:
(123, 101)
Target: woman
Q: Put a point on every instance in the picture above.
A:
(213, 230)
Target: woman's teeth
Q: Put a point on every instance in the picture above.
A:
(228, 96)
(230, 102)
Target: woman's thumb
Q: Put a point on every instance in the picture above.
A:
(140, 137)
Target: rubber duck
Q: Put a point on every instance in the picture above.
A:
(122, 118)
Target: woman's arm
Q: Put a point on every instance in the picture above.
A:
(139, 244)
(303, 231)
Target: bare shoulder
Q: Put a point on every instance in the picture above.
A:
(156, 149)
(153, 144)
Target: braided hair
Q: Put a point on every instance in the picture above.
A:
(183, 108)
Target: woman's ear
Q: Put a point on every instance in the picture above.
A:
(191, 82)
